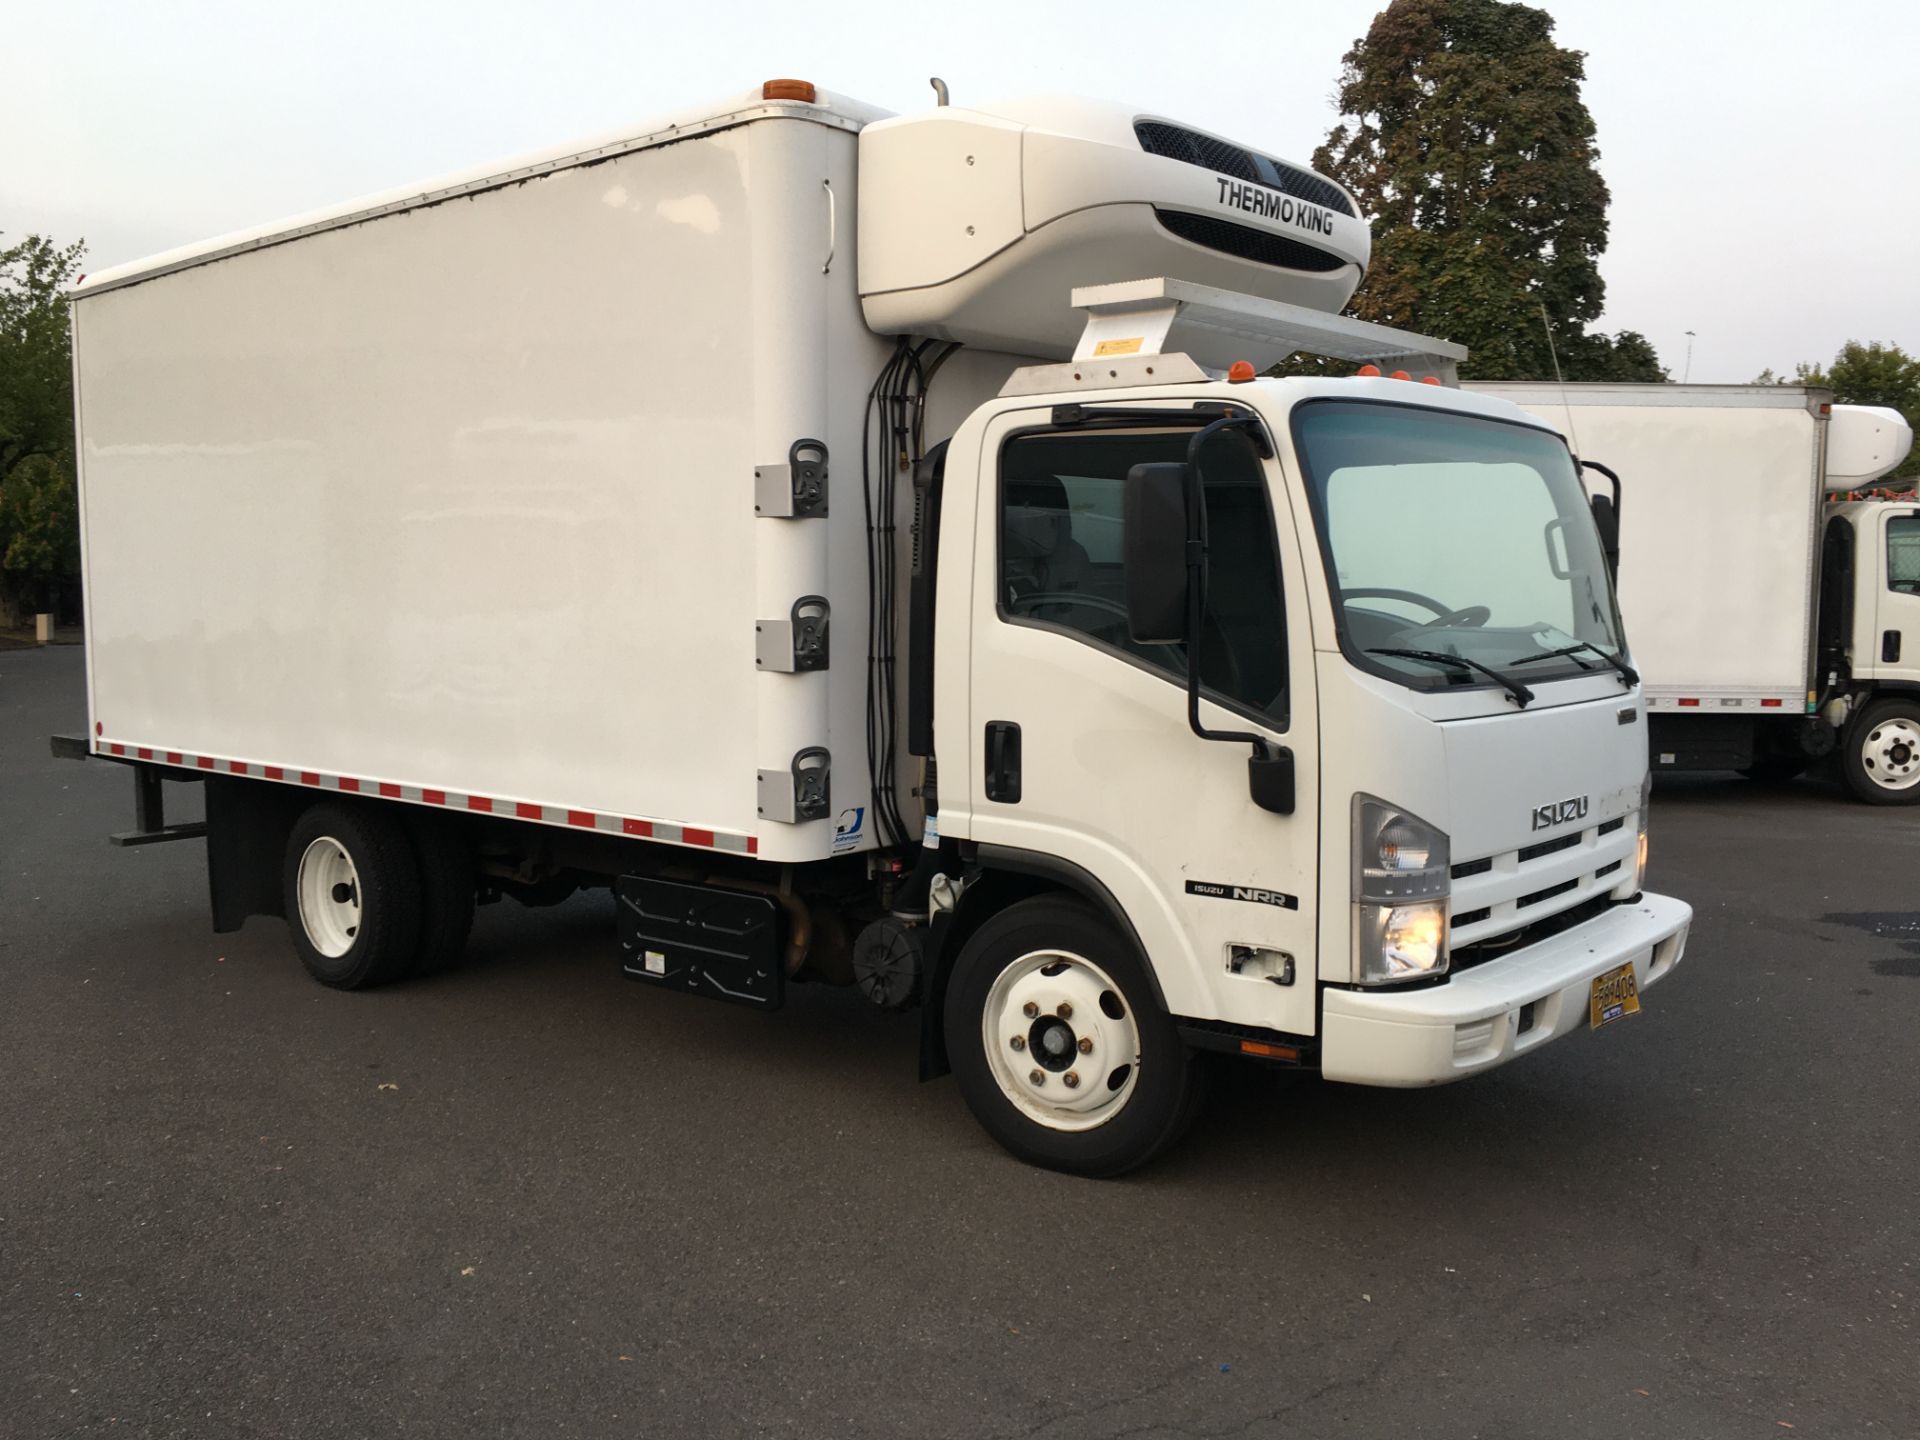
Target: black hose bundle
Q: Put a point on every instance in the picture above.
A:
(892, 437)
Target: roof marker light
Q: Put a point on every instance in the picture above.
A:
(788, 90)
(1368, 370)
(1429, 379)
(1240, 372)
(1401, 375)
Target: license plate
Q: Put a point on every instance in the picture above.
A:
(1615, 993)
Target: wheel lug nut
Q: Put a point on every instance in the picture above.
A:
(1039, 1077)
(1063, 1010)
(1019, 1042)
(1086, 1045)
(1071, 1079)
(1029, 1009)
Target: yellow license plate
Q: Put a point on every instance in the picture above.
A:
(1615, 993)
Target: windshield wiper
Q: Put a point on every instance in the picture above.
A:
(1628, 675)
(1520, 693)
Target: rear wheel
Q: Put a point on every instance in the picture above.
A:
(1058, 1044)
(352, 891)
(1882, 753)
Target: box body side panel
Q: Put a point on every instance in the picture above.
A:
(461, 497)
(1718, 537)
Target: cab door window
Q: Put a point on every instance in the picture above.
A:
(1903, 553)
(1062, 542)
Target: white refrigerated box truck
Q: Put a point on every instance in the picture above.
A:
(802, 521)
(1768, 607)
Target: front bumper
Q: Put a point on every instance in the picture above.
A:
(1496, 1011)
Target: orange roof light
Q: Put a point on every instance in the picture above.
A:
(1368, 370)
(1240, 372)
(1401, 375)
(788, 90)
(1429, 379)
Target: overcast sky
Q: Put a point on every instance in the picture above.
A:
(1764, 157)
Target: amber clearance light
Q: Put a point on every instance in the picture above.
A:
(788, 90)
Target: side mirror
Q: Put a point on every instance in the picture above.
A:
(1155, 520)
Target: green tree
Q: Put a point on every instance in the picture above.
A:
(39, 531)
(39, 516)
(1866, 374)
(1466, 141)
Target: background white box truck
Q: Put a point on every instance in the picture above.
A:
(1769, 618)
(749, 514)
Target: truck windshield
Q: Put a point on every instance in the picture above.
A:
(1464, 544)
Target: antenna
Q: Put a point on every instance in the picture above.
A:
(1560, 380)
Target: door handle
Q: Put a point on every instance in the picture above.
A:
(1003, 762)
(1890, 646)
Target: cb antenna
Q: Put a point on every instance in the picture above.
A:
(1566, 405)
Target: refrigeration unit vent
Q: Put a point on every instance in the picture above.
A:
(1243, 242)
(1176, 142)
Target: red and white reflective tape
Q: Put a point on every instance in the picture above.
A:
(668, 832)
(1720, 702)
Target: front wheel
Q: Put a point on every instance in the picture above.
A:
(1058, 1045)
(1882, 755)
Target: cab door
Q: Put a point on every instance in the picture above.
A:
(1080, 746)
(1893, 646)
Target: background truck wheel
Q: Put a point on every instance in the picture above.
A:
(1882, 753)
(352, 890)
(1058, 1045)
(447, 886)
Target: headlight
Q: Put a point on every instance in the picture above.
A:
(1400, 890)
(1637, 875)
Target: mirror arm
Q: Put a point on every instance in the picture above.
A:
(1197, 572)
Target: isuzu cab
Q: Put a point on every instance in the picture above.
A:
(866, 545)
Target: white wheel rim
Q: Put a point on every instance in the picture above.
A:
(328, 888)
(1056, 1049)
(1890, 753)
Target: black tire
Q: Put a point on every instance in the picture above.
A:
(1165, 1092)
(448, 882)
(1882, 744)
(382, 900)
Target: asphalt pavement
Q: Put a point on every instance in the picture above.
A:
(529, 1198)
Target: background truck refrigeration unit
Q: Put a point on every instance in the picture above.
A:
(1759, 611)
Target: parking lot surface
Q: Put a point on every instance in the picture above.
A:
(528, 1198)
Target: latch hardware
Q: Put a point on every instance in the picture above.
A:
(801, 792)
(797, 643)
(796, 490)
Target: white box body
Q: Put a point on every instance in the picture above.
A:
(457, 497)
(1719, 529)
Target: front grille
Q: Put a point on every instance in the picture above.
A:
(1502, 897)
(1469, 956)
(1176, 142)
(1548, 847)
(1246, 243)
(1536, 896)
